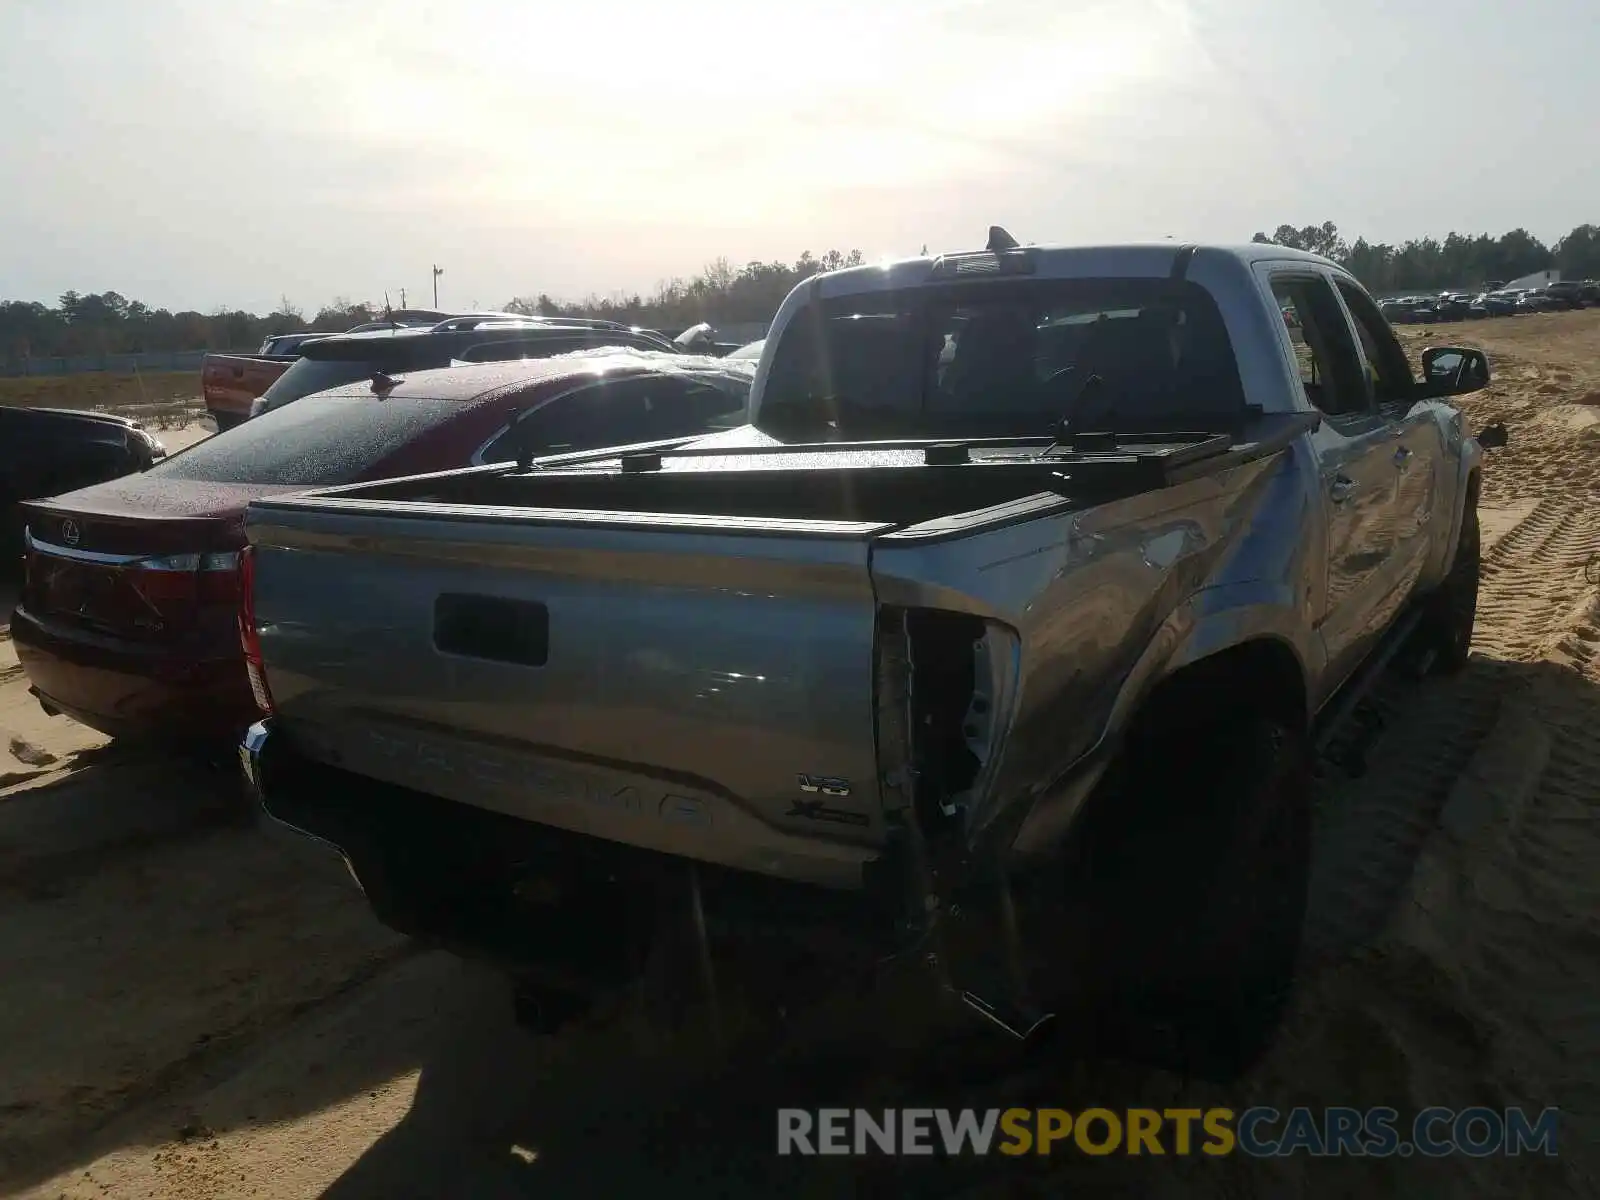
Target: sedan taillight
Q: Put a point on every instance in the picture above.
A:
(249, 638)
(211, 578)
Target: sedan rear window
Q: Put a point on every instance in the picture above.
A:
(319, 441)
(307, 375)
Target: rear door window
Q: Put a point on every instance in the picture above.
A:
(319, 441)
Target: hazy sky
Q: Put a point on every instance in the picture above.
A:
(195, 153)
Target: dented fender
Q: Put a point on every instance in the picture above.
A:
(1212, 622)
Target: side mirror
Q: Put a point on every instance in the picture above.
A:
(1454, 370)
(1492, 437)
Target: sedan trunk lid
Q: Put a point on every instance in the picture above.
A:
(135, 558)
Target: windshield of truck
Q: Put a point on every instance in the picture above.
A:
(1011, 357)
(319, 441)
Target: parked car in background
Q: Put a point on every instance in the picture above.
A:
(427, 319)
(1452, 307)
(1564, 294)
(1534, 300)
(49, 450)
(345, 358)
(126, 618)
(703, 338)
(1410, 310)
(287, 343)
(1499, 304)
(230, 383)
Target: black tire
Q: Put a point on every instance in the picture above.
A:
(1452, 610)
(1197, 882)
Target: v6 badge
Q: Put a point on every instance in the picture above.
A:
(827, 785)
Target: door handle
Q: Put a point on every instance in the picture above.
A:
(1341, 489)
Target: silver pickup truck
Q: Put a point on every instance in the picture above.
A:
(997, 642)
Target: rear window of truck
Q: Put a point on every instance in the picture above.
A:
(318, 441)
(1012, 356)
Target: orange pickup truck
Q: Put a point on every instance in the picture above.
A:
(230, 382)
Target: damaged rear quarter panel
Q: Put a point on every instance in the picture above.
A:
(1105, 601)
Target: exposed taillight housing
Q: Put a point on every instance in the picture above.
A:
(210, 578)
(174, 586)
(249, 638)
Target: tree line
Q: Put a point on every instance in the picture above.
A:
(1459, 261)
(109, 323)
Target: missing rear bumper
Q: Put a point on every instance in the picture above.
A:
(552, 908)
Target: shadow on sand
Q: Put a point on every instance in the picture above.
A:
(500, 1114)
(605, 1109)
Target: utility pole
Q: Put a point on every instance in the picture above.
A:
(437, 271)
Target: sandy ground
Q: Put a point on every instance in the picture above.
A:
(195, 1007)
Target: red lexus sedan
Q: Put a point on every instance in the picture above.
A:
(126, 620)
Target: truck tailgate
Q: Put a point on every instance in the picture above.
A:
(666, 682)
(229, 382)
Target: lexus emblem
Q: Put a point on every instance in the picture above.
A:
(70, 533)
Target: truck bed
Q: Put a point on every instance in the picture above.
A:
(685, 651)
(895, 483)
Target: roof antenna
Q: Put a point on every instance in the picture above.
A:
(1000, 240)
(388, 313)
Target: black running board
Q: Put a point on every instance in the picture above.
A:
(1331, 721)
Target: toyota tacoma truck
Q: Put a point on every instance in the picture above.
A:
(996, 643)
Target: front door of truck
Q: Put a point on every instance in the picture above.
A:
(1419, 452)
(1355, 451)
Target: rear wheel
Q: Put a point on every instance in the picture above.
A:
(1196, 888)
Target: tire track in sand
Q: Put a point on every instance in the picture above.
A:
(1534, 605)
(1534, 599)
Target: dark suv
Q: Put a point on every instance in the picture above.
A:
(344, 358)
(1565, 294)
